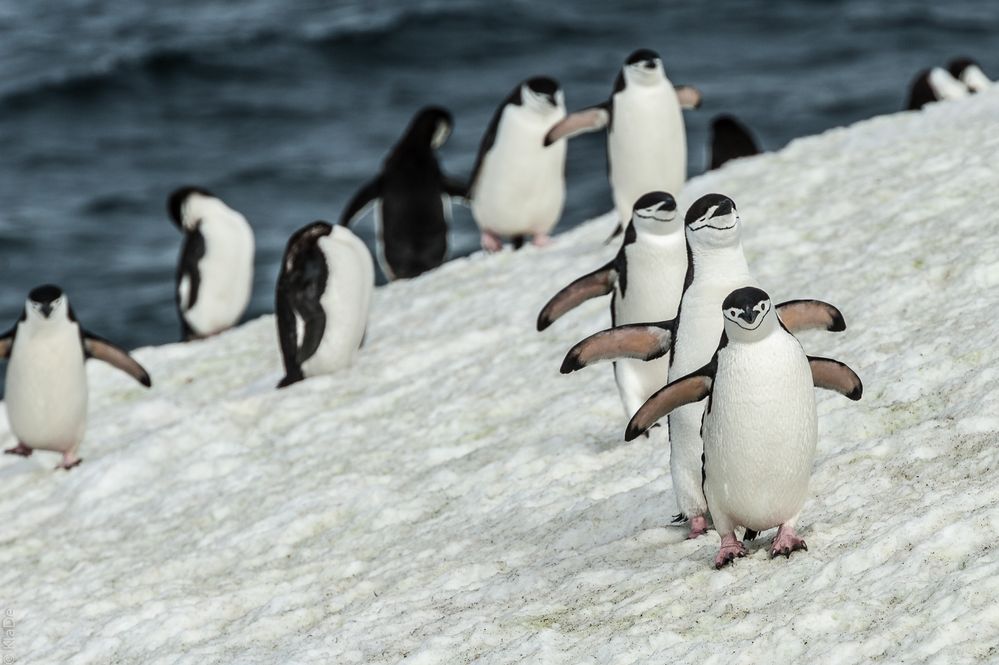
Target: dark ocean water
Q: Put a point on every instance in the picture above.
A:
(284, 108)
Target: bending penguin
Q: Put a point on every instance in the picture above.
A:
(517, 188)
(934, 85)
(646, 278)
(716, 267)
(322, 299)
(412, 198)
(646, 136)
(760, 424)
(730, 139)
(215, 270)
(46, 393)
(968, 72)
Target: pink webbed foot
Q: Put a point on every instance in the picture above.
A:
(786, 541)
(731, 549)
(490, 241)
(69, 460)
(698, 526)
(19, 449)
(541, 240)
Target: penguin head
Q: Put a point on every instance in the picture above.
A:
(46, 303)
(302, 240)
(968, 72)
(542, 95)
(644, 67)
(655, 214)
(431, 126)
(713, 222)
(749, 314)
(178, 205)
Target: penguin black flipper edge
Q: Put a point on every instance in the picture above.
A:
(581, 122)
(798, 315)
(833, 375)
(642, 341)
(598, 283)
(102, 349)
(691, 388)
(361, 201)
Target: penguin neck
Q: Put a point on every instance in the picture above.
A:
(709, 260)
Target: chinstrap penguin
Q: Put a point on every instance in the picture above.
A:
(412, 197)
(215, 270)
(322, 299)
(760, 424)
(46, 394)
(716, 266)
(646, 136)
(646, 278)
(934, 85)
(517, 187)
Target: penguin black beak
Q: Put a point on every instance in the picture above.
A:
(46, 309)
(649, 64)
(749, 315)
(724, 208)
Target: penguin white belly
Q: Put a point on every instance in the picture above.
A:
(47, 389)
(345, 301)
(760, 434)
(225, 276)
(647, 146)
(521, 186)
(656, 268)
(700, 329)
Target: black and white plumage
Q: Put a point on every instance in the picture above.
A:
(716, 266)
(646, 135)
(46, 393)
(214, 278)
(517, 186)
(730, 139)
(760, 424)
(412, 197)
(970, 73)
(322, 299)
(934, 85)
(646, 278)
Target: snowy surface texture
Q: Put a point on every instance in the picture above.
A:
(453, 499)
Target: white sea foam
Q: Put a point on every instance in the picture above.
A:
(452, 499)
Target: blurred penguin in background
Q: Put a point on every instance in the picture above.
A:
(412, 198)
(214, 277)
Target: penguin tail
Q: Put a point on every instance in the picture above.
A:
(518, 241)
(679, 518)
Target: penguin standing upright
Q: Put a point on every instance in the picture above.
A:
(646, 278)
(646, 136)
(413, 198)
(215, 269)
(46, 394)
(760, 424)
(322, 299)
(716, 266)
(517, 187)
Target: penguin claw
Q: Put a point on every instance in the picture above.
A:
(731, 549)
(20, 449)
(67, 465)
(786, 542)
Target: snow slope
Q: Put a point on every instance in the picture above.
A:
(453, 499)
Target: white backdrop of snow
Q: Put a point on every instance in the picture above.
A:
(453, 499)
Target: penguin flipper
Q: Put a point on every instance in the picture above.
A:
(833, 375)
(7, 341)
(643, 341)
(362, 199)
(580, 122)
(799, 315)
(689, 96)
(100, 348)
(600, 282)
(691, 388)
